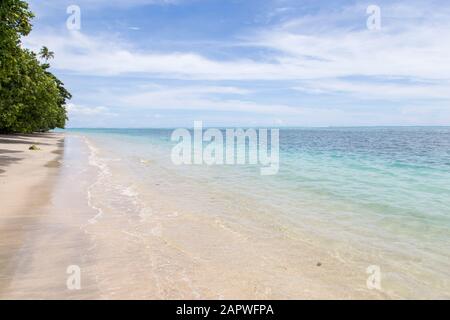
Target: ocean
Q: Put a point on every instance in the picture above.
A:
(345, 201)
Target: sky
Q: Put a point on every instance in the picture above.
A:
(168, 63)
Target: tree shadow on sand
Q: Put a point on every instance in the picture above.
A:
(8, 160)
(5, 151)
(19, 141)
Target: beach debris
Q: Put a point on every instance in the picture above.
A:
(319, 264)
(33, 147)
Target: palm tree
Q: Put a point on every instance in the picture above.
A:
(46, 54)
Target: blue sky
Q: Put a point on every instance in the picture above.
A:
(166, 63)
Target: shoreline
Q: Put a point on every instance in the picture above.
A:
(51, 219)
(149, 243)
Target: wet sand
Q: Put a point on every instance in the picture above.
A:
(36, 245)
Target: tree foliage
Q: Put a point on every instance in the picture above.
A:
(31, 97)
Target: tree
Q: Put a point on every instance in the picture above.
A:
(46, 54)
(31, 97)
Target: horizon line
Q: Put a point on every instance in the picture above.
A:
(275, 127)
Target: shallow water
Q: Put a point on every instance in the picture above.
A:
(344, 199)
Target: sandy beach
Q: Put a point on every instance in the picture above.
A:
(26, 183)
(53, 216)
(35, 244)
(141, 229)
(136, 227)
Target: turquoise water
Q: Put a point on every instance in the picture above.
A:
(382, 192)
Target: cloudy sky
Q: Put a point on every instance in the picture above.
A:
(166, 63)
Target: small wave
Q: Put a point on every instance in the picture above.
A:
(118, 192)
(129, 192)
(103, 170)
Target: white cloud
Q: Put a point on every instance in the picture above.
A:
(374, 90)
(197, 98)
(413, 51)
(314, 54)
(78, 110)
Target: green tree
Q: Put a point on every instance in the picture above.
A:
(31, 97)
(46, 54)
